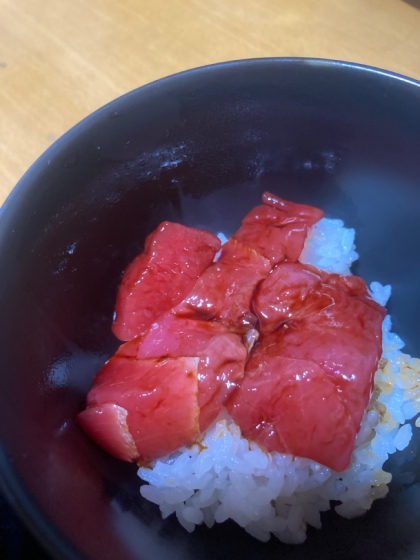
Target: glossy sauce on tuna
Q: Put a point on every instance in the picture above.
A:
(309, 380)
(289, 350)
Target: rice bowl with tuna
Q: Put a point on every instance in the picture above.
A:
(220, 473)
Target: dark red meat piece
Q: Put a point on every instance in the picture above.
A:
(224, 291)
(316, 320)
(278, 229)
(221, 356)
(158, 407)
(290, 291)
(107, 425)
(161, 277)
(291, 406)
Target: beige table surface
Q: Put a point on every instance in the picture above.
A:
(62, 59)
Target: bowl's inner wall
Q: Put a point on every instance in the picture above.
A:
(199, 148)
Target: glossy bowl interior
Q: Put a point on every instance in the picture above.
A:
(198, 148)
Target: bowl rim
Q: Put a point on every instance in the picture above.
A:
(65, 138)
(10, 486)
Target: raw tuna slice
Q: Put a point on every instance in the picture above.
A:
(298, 291)
(221, 353)
(107, 425)
(291, 406)
(157, 405)
(225, 289)
(161, 276)
(278, 229)
(321, 329)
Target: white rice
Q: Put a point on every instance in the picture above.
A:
(225, 476)
(330, 247)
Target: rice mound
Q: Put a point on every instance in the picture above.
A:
(225, 476)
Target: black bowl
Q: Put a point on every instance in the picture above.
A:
(199, 148)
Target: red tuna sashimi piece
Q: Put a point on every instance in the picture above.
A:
(278, 229)
(347, 352)
(288, 292)
(291, 406)
(329, 322)
(295, 291)
(325, 318)
(160, 398)
(222, 357)
(224, 291)
(161, 276)
(107, 425)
